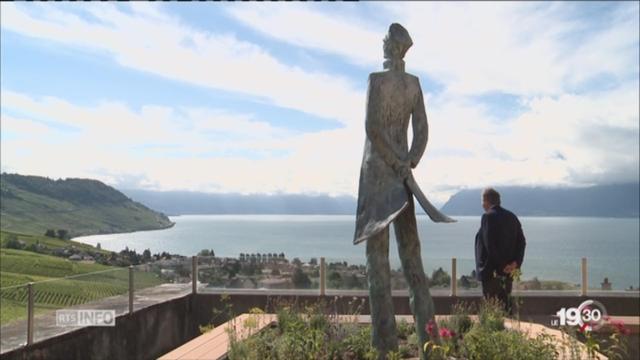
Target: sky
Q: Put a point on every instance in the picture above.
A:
(270, 97)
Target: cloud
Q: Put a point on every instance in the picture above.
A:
(563, 134)
(148, 40)
(471, 48)
(596, 135)
(173, 148)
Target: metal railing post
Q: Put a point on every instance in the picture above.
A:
(454, 277)
(30, 310)
(131, 289)
(323, 277)
(585, 283)
(194, 274)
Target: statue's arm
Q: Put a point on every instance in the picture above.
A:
(375, 127)
(420, 130)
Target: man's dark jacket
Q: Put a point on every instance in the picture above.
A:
(499, 242)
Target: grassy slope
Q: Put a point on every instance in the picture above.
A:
(30, 205)
(81, 212)
(53, 243)
(53, 288)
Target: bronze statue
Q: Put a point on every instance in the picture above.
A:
(387, 188)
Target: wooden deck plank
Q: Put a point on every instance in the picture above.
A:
(201, 340)
(216, 349)
(215, 343)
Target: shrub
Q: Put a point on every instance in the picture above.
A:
(482, 344)
(491, 315)
(13, 242)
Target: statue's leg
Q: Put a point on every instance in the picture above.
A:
(383, 322)
(419, 296)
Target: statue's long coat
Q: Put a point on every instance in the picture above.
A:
(393, 97)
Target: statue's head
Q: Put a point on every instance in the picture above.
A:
(396, 42)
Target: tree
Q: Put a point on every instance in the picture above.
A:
(296, 262)
(13, 242)
(98, 246)
(50, 233)
(63, 234)
(440, 277)
(206, 253)
(464, 282)
(313, 261)
(300, 279)
(146, 255)
(231, 267)
(335, 280)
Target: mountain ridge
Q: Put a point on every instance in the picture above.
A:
(465, 202)
(34, 204)
(615, 200)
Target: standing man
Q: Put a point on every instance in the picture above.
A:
(500, 247)
(387, 188)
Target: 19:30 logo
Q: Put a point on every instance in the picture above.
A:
(588, 316)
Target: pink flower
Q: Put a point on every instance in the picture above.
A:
(619, 326)
(429, 328)
(445, 333)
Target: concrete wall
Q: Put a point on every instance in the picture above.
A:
(145, 334)
(155, 330)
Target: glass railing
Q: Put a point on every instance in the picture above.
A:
(13, 315)
(103, 290)
(161, 280)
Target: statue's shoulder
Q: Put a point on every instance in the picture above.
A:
(385, 73)
(377, 75)
(412, 78)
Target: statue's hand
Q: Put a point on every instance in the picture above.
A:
(402, 168)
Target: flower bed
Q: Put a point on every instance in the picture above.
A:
(312, 333)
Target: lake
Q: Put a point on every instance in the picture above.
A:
(554, 244)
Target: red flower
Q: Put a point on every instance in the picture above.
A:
(619, 326)
(445, 333)
(429, 328)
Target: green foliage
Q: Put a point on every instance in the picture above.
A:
(62, 234)
(300, 280)
(34, 205)
(405, 329)
(307, 333)
(440, 277)
(29, 263)
(77, 282)
(207, 252)
(480, 343)
(491, 315)
(460, 321)
(12, 242)
(48, 244)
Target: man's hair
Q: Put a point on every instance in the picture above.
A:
(491, 195)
